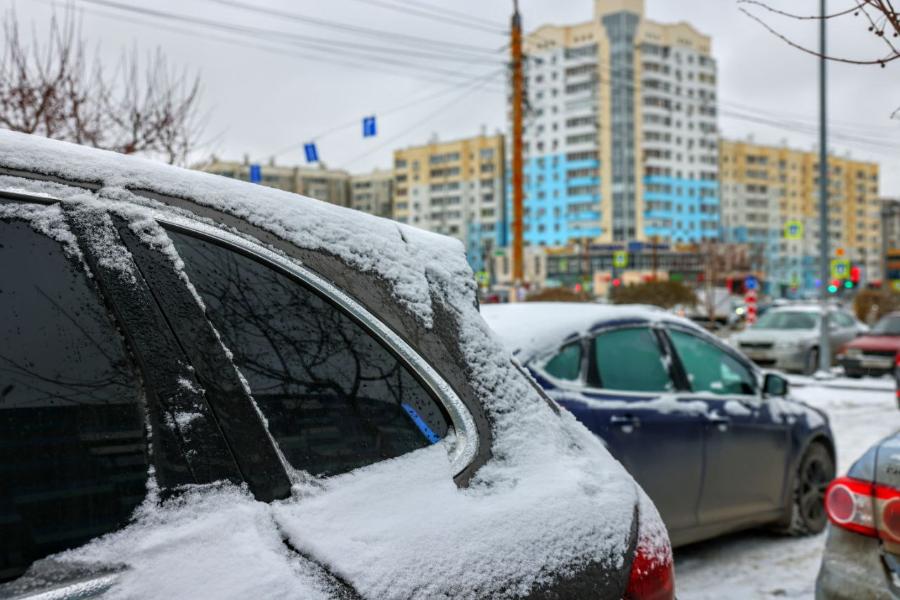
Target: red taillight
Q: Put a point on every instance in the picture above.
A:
(652, 575)
(866, 508)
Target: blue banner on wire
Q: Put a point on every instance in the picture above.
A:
(255, 173)
(370, 129)
(312, 154)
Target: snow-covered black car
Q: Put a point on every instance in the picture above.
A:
(213, 389)
(717, 444)
(862, 554)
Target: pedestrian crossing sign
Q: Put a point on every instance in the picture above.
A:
(620, 259)
(793, 230)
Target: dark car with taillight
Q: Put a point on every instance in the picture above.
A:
(862, 554)
(214, 389)
(874, 353)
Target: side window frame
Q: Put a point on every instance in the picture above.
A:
(593, 381)
(677, 363)
(465, 441)
(541, 362)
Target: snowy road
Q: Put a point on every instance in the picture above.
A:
(760, 565)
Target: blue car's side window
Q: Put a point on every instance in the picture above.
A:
(566, 364)
(710, 369)
(631, 360)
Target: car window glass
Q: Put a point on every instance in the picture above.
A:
(630, 360)
(785, 319)
(887, 326)
(334, 397)
(711, 369)
(566, 364)
(845, 320)
(73, 449)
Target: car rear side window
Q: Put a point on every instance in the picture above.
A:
(73, 447)
(566, 364)
(334, 397)
(711, 369)
(630, 360)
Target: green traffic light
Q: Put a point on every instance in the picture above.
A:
(848, 284)
(832, 289)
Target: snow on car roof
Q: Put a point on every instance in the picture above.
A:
(550, 500)
(367, 242)
(529, 328)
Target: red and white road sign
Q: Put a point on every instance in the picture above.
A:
(750, 303)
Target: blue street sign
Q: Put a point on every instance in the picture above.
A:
(750, 283)
(312, 155)
(255, 173)
(369, 128)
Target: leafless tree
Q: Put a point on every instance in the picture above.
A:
(878, 16)
(60, 90)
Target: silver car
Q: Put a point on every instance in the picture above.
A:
(787, 337)
(862, 554)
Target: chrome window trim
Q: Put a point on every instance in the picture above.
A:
(464, 443)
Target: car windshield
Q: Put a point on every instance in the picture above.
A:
(887, 326)
(783, 319)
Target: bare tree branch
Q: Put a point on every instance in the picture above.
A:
(61, 91)
(883, 22)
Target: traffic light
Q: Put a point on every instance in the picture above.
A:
(833, 286)
(616, 282)
(855, 277)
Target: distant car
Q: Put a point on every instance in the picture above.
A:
(716, 443)
(214, 389)
(862, 552)
(874, 353)
(787, 337)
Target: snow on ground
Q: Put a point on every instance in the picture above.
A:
(757, 564)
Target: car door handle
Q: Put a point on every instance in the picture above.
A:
(719, 420)
(625, 421)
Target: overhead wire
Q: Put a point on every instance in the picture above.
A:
(381, 113)
(391, 36)
(469, 90)
(430, 14)
(314, 44)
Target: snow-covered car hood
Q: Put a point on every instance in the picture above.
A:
(549, 500)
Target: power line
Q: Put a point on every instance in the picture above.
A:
(455, 13)
(479, 83)
(315, 44)
(381, 113)
(430, 14)
(394, 37)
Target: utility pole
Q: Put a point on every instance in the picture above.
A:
(824, 268)
(517, 179)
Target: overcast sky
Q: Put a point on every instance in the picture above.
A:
(264, 97)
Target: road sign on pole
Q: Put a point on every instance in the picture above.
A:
(793, 230)
(369, 127)
(255, 173)
(620, 259)
(312, 154)
(840, 268)
(750, 305)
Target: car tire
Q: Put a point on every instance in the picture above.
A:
(812, 361)
(814, 473)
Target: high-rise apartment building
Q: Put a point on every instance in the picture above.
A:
(621, 132)
(316, 182)
(766, 188)
(373, 192)
(455, 188)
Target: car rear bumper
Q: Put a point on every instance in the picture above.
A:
(874, 366)
(852, 568)
(791, 359)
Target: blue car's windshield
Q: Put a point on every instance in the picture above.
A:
(787, 320)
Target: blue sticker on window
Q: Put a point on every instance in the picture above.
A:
(421, 424)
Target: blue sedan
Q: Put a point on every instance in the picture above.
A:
(716, 443)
